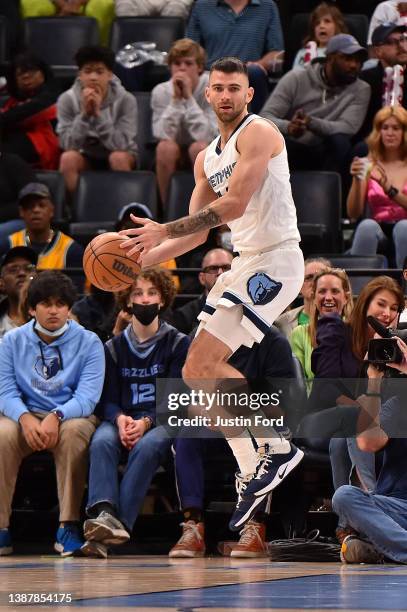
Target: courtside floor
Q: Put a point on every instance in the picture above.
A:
(159, 584)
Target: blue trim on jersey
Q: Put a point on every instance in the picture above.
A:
(218, 150)
(141, 354)
(248, 312)
(208, 309)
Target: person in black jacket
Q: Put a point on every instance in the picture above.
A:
(390, 46)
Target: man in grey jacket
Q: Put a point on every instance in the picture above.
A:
(183, 122)
(319, 109)
(97, 119)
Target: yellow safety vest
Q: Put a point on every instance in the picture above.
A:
(53, 257)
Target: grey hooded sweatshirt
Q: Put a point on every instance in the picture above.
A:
(333, 110)
(114, 130)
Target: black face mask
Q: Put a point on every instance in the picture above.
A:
(145, 313)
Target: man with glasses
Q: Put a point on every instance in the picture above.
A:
(214, 263)
(389, 42)
(16, 268)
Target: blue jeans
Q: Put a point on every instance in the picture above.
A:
(345, 455)
(143, 460)
(379, 518)
(369, 235)
(258, 79)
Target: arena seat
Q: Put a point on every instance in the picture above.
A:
(161, 30)
(358, 26)
(55, 183)
(179, 194)
(4, 41)
(145, 138)
(100, 196)
(57, 39)
(318, 200)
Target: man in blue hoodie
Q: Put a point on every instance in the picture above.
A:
(51, 377)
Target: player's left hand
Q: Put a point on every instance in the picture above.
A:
(145, 238)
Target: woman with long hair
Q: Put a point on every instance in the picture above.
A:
(331, 294)
(325, 21)
(379, 183)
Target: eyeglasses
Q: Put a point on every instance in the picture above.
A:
(16, 268)
(214, 269)
(395, 42)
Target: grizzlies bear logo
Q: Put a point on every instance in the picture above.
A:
(47, 368)
(262, 289)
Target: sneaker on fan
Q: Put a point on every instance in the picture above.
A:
(272, 469)
(106, 528)
(252, 541)
(246, 505)
(356, 550)
(191, 544)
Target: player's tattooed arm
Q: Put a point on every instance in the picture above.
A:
(203, 220)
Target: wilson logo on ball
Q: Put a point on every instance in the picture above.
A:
(119, 266)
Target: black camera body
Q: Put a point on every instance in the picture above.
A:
(385, 349)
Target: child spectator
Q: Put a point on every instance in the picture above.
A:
(97, 119)
(51, 377)
(183, 122)
(27, 116)
(380, 181)
(325, 21)
(147, 349)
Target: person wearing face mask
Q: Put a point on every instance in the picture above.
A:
(337, 359)
(149, 348)
(51, 377)
(320, 108)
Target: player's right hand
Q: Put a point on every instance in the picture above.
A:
(145, 238)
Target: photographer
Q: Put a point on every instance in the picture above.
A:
(379, 519)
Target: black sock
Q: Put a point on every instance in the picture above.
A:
(193, 514)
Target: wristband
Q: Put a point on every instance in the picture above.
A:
(372, 394)
(392, 192)
(148, 422)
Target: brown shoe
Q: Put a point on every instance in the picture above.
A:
(252, 541)
(191, 543)
(342, 532)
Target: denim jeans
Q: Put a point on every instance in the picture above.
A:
(345, 455)
(258, 79)
(369, 235)
(143, 460)
(379, 518)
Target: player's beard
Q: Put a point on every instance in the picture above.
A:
(227, 117)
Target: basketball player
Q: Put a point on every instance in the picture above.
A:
(242, 179)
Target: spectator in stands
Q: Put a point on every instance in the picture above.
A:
(183, 122)
(289, 320)
(55, 249)
(153, 8)
(338, 358)
(331, 294)
(96, 119)
(325, 21)
(148, 349)
(51, 377)
(383, 189)
(271, 359)
(16, 268)
(15, 173)
(27, 116)
(320, 108)
(390, 47)
(214, 263)
(250, 31)
(97, 312)
(378, 519)
(390, 11)
(101, 10)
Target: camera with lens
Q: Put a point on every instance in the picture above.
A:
(385, 349)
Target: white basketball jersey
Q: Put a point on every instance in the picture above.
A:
(270, 217)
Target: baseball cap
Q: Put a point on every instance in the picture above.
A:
(34, 189)
(346, 44)
(19, 251)
(383, 31)
(135, 208)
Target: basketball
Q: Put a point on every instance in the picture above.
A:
(107, 266)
